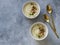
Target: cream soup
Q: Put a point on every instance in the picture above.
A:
(38, 30)
(31, 9)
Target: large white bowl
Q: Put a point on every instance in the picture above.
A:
(26, 4)
(45, 31)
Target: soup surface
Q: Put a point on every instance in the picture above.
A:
(31, 9)
(38, 30)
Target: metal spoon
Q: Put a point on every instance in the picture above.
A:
(49, 10)
(47, 19)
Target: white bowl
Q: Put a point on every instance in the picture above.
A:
(38, 7)
(46, 31)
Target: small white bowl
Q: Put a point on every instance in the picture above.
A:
(46, 31)
(38, 6)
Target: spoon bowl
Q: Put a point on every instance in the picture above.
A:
(49, 9)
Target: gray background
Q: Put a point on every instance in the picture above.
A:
(14, 27)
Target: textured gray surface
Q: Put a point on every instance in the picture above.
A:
(14, 27)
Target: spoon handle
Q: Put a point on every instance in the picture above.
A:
(53, 28)
(53, 22)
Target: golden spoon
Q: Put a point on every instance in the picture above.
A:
(49, 10)
(47, 19)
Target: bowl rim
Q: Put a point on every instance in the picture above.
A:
(30, 2)
(45, 27)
